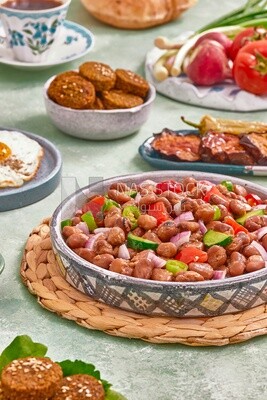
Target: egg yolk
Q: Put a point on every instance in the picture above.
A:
(5, 151)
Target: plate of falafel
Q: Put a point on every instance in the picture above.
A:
(27, 373)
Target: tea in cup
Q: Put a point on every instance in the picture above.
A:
(32, 27)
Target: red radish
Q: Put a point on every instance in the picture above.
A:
(208, 64)
(218, 37)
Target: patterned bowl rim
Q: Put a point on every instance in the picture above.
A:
(114, 278)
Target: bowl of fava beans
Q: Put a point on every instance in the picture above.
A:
(166, 243)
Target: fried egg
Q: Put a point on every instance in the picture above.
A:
(20, 158)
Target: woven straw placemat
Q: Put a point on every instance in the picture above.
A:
(41, 274)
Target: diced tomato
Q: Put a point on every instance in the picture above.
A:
(159, 211)
(95, 206)
(253, 199)
(191, 254)
(213, 190)
(169, 185)
(235, 225)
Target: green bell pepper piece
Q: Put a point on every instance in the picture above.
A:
(89, 219)
(66, 222)
(229, 185)
(108, 204)
(175, 266)
(131, 213)
(217, 213)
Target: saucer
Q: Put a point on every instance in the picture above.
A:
(74, 42)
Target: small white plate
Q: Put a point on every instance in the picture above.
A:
(222, 96)
(74, 42)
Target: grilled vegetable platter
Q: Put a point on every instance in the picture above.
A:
(214, 145)
(222, 65)
(23, 348)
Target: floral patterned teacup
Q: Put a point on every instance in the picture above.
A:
(32, 34)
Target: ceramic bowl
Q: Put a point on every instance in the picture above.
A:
(98, 124)
(2, 263)
(207, 298)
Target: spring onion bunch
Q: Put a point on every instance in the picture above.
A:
(253, 13)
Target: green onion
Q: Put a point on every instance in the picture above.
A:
(253, 11)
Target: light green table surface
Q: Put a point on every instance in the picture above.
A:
(140, 370)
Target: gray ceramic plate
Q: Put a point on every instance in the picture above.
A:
(180, 299)
(44, 183)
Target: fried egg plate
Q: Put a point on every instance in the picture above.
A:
(20, 158)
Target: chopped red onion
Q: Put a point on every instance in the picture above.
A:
(79, 212)
(91, 241)
(247, 207)
(148, 182)
(259, 207)
(124, 252)
(219, 274)
(260, 249)
(202, 227)
(137, 198)
(186, 216)
(158, 261)
(181, 238)
(205, 185)
(177, 208)
(83, 227)
(102, 230)
(261, 232)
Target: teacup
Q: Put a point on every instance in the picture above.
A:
(32, 27)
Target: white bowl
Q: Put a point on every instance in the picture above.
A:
(98, 124)
(180, 299)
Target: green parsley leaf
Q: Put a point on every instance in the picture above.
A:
(20, 347)
(80, 367)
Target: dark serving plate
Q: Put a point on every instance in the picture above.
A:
(160, 162)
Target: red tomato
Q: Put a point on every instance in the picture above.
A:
(213, 190)
(244, 37)
(250, 67)
(235, 225)
(253, 199)
(170, 185)
(159, 211)
(191, 254)
(95, 206)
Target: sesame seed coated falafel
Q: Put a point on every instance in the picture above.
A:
(80, 387)
(31, 378)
